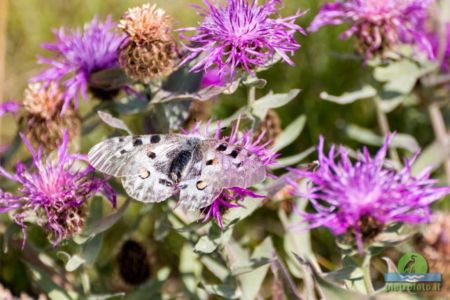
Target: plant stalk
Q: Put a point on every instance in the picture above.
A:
(440, 132)
(385, 129)
(366, 274)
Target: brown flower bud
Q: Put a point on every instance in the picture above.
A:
(151, 51)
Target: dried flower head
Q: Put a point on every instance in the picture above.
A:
(271, 127)
(150, 51)
(42, 122)
(53, 191)
(241, 34)
(231, 194)
(364, 196)
(77, 54)
(378, 25)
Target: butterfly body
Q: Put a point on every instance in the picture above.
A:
(191, 168)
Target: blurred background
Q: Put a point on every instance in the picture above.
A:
(325, 63)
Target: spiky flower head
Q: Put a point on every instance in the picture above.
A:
(150, 51)
(378, 25)
(53, 191)
(241, 35)
(77, 53)
(364, 196)
(42, 122)
(231, 195)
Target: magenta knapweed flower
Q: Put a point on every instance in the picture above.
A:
(53, 192)
(378, 25)
(78, 53)
(11, 107)
(241, 34)
(347, 196)
(246, 141)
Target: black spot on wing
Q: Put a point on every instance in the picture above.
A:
(137, 142)
(155, 139)
(165, 182)
(151, 155)
(123, 151)
(222, 147)
(235, 152)
(209, 162)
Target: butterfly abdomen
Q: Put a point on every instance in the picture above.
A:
(179, 164)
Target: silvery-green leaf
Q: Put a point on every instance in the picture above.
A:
(219, 270)
(132, 104)
(400, 76)
(215, 237)
(101, 225)
(290, 134)
(190, 267)
(234, 215)
(329, 289)
(433, 156)
(368, 137)
(227, 291)
(390, 101)
(280, 271)
(252, 275)
(113, 122)
(88, 253)
(347, 98)
(270, 101)
(255, 82)
(293, 160)
(183, 81)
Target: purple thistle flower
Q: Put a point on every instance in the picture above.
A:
(53, 191)
(77, 54)
(241, 35)
(9, 107)
(378, 24)
(235, 194)
(347, 196)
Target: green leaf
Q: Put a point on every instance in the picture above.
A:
(132, 104)
(215, 237)
(347, 98)
(433, 156)
(255, 82)
(219, 270)
(270, 101)
(190, 268)
(329, 289)
(227, 291)
(290, 134)
(293, 160)
(116, 296)
(88, 254)
(254, 272)
(400, 76)
(101, 225)
(368, 137)
(113, 122)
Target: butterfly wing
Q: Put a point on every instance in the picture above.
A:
(143, 163)
(215, 167)
(124, 156)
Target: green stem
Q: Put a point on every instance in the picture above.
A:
(385, 129)
(366, 274)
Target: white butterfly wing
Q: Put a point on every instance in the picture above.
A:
(142, 162)
(220, 166)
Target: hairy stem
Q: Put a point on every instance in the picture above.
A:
(440, 132)
(366, 274)
(385, 129)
